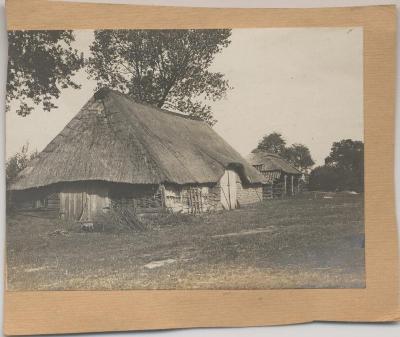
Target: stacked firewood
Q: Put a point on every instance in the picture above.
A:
(120, 217)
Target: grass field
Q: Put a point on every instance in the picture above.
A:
(313, 241)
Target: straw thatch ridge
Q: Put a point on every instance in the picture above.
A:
(115, 139)
(271, 162)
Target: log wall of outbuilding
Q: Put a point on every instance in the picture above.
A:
(192, 199)
(83, 201)
(248, 194)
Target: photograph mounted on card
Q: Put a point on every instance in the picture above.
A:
(156, 160)
(186, 168)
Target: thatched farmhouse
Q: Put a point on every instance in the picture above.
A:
(116, 150)
(282, 179)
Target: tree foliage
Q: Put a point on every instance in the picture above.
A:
(297, 154)
(18, 162)
(346, 155)
(166, 68)
(273, 142)
(324, 178)
(40, 64)
(343, 169)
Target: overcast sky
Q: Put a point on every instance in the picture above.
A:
(306, 83)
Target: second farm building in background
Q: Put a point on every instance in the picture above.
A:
(282, 179)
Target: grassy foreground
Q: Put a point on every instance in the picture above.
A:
(313, 241)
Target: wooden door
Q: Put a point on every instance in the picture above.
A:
(82, 202)
(229, 190)
(73, 205)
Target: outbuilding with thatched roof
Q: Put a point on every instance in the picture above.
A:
(282, 178)
(116, 150)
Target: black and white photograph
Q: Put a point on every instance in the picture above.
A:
(185, 159)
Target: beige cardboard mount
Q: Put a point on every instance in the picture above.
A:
(48, 312)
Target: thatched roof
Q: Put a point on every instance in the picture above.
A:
(271, 162)
(115, 139)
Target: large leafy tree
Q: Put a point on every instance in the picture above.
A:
(346, 154)
(347, 157)
(273, 142)
(344, 166)
(40, 65)
(166, 68)
(299, 156)
(324, 178)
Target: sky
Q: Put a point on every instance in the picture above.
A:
(305, 83)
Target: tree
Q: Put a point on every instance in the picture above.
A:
(40, 63)
(18, 162)
(324, 178)
(343, 169)
(273, 142)
(347, 157)
(346, 154)
(166, 68)
(299, 156)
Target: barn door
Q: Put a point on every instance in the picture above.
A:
(82, 202)
(228, 190)
(75, 203)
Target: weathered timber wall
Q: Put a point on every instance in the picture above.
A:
(81, 201)
(192, 199)
(53, 201)
(144, 198)
(38, 198)
(248, 194)
(267, 191)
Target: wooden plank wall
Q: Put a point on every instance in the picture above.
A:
(192, 199)
(247, 195)
(82, 201)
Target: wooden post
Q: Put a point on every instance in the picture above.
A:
(272, 189)
(190, 200)
(229, 192)
(201, 200)
(292, 183)
(284, 186)
(163, 197)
